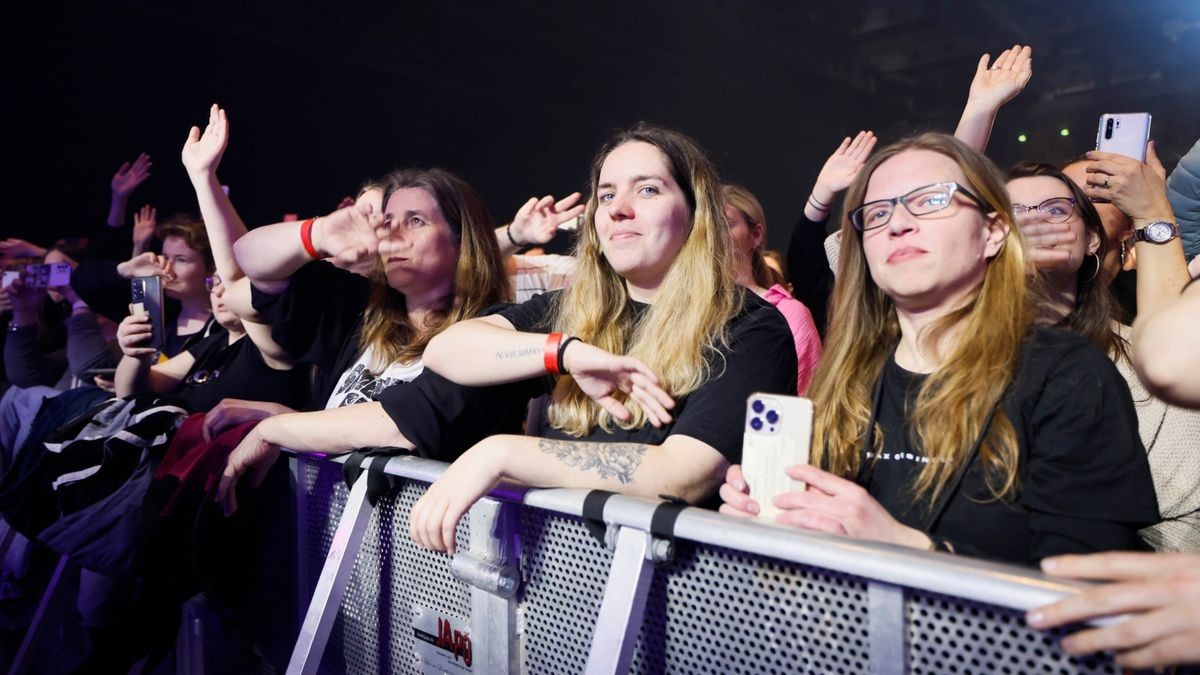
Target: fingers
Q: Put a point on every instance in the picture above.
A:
(1100, 601)
(841, 149)
(734, 477)
(1174, 650)
(982, 66)
(737, 503)
(811, 520)
(568, 201)
(1153, 162)
(822, 480)
(1117, 566)
(434, 520)
(212, 421)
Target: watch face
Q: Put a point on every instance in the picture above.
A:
(1159, 232)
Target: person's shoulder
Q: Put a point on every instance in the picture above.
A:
(1056, 353)
(757, 312)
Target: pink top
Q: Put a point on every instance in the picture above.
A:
(804, 332)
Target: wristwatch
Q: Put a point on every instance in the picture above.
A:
(1157, 232)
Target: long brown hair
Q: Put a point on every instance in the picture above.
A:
(955, 401)
(479, 278)
(678, 336)
(1095, 307)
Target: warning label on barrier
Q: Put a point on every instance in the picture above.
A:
(443, 642)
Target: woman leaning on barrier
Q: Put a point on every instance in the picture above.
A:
(944, 419)
(654, 345)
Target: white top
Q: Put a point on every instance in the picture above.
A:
(359, 385)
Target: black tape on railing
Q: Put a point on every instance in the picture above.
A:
(593, 513)
(662, 521)
(379, 484)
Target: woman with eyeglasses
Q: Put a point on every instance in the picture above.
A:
(944, 420)
(1067, 244)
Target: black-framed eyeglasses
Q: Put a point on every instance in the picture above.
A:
(1053, 210)
(919, 202)
(211, 282)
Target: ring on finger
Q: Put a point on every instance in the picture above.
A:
(1105, 186)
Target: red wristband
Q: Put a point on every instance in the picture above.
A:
(306, 238)
(550, 353)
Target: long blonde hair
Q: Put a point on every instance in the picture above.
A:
(743, 201)
(955, 401)
(679, 335)
(479, 278)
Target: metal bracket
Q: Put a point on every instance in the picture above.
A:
(624, 603)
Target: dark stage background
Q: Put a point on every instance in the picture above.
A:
(517, 96)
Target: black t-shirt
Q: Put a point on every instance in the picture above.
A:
(237, 370)
(1084, 480)
(761, 357)
(317, 320)
(808, 269)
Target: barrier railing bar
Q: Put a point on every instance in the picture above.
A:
(623, 606)
(969, 578)
(335, 577)
(889, 639)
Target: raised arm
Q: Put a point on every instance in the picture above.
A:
(127, 178)
(201, 155)
(991, 88)
(1166, 349)
(270, 255)
(1139, 190)
(681, 467)
(537, 222)
(837, 173)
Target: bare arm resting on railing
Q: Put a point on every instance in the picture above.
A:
(336, 431)
(681, 467)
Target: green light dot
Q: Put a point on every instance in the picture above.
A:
(1022, 138)
(1064, 132)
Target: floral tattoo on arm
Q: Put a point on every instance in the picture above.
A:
(610, 460)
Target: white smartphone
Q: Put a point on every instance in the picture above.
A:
(778, 435)
(48, 275)
(1124, 134)
(11, 276)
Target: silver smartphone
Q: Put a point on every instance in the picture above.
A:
(146, 296)
(48, 275)
(1124, 134)
(778, 435)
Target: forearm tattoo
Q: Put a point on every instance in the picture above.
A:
(518, 353)
(610, 460)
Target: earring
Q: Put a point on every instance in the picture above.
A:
(1122, 253)
(1096, 272)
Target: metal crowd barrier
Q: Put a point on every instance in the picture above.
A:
(531, 590)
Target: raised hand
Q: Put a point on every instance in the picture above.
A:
(147, 264)
(998, 84)
(19, 248)
(144, 222)
(539, 219)
(842, 166)
(26, 301)
(129, 176)
(350, 235)
(601, 375)
(1138, 189)
(202, 152)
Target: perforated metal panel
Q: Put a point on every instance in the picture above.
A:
(564, 570)
(392, 576)
(323, 497)
(716, 610)
(952, 635)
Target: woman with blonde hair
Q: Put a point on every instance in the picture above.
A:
(654, 347)
(944, 419)
(748, 227)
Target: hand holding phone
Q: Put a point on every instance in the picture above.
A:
(778, 435)
(146, 299)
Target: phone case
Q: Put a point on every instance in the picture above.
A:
(146, 296)
(1126, 136)
(778, 434)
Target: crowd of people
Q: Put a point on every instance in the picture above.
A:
(990, 375)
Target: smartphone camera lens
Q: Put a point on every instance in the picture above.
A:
(772, 417)
(756, 424)
(757, 407)
(1108, 129)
